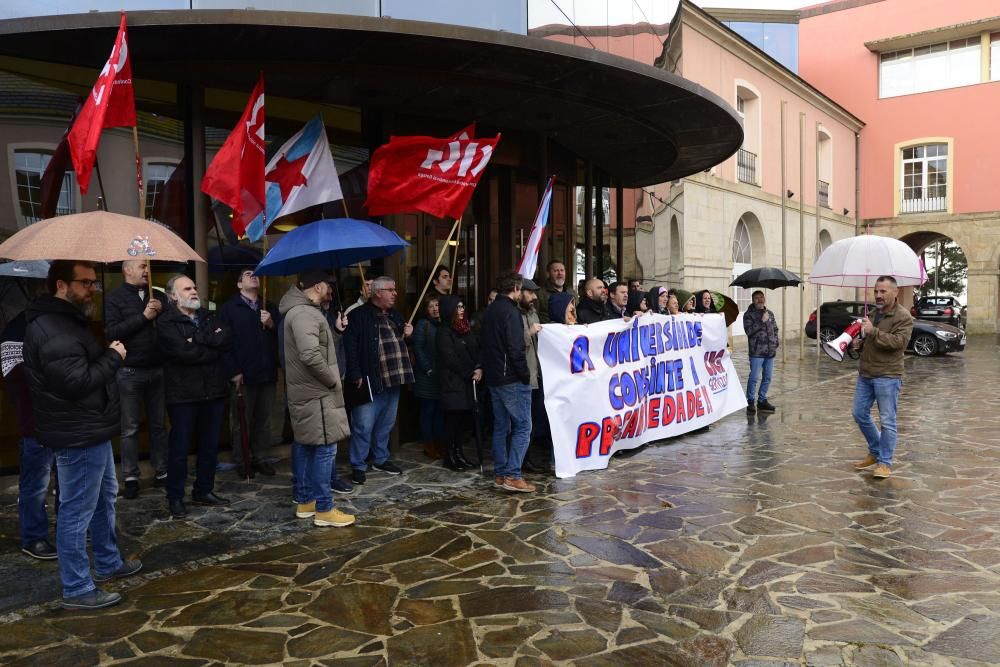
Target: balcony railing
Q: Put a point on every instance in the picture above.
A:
(823, 194)
(912, 202)
(746, 167)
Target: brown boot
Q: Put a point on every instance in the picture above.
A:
(433, 450)
(881, 471)
(866, 462)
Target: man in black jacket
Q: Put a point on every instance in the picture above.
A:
(193, 341)
(592, 308)
(252, 366)
(76, 408)
(505, 368)
(130, 316)
(763, 340)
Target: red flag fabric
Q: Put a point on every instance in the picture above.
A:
(52, 179)
(429, 174)
(236, 175)
(111, 103)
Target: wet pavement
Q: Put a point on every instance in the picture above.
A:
(753, 543)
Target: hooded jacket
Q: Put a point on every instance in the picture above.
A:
(312, 378)
(192, 353)
(558, 303)
(70, 375)
(544, 297)
(457, 359)
(653, 300)
(762, 337)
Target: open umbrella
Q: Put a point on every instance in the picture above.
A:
(859, 260)
(97, 236)
(721, 304)
(329, 244)
(37, 268)
(768, 277)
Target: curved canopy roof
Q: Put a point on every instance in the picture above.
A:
(639, 124)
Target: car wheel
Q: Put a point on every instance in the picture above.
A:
(826, 334)
(925, 345)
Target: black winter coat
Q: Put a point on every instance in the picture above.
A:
(589, 311)
(193, 370)
(124, 321)
(457, 358)
(361, 344)
(502, 353)
(254, 349)
(71, 377)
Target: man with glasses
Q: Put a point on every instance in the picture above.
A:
(130, 316)
(378, 365)
(75, 400)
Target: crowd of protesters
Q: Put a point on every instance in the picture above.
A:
(344, 373)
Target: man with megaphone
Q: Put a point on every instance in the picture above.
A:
(880, 375)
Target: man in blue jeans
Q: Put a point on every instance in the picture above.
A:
(761, 328)
(505, 368)
(880, 375)
(75, 401)
(378, 365)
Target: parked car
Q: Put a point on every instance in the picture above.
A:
(928, 338)
(945, 309)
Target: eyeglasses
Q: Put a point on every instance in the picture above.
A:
(386, 289)
(88, 284)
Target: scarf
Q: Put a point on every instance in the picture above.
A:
(462, 327)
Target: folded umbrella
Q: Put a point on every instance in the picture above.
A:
(768, 277)
(329, 244)
(36, 268)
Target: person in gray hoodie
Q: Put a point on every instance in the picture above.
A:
(315, 396)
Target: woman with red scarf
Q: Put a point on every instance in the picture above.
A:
(457, 369)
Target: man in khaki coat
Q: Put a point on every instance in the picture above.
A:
(315, 396)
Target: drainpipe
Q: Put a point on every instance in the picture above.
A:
(784, 254)
(857, 198)
(819, 288)
(802, 232)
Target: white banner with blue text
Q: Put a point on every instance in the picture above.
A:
(619, 384)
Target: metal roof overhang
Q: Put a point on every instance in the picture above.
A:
(639, 124)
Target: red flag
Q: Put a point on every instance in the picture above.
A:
(52, 179)
(236, 175)
(436, 176)
(111, 103)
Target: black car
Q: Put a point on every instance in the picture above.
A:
(928, 338)
(945, 309)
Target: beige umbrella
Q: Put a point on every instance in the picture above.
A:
(98, 236)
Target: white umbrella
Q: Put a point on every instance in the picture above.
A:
(859, 260)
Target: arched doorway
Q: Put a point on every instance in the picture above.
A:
(945, 264)
(748, 240)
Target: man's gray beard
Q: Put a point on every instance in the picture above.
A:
(84, 307)
(193, 303)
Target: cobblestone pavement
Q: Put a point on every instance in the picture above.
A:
(753, 543)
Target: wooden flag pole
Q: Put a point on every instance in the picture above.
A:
(416, 308)
(347, 214)
(138, 171)
(454, 260)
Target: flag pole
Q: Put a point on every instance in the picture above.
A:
(138, 169)
(416, 308)
(361, 269)
(454, 260)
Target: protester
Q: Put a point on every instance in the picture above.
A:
(425, 385)
(457, 369)
(76, 409)
(193, 340)
(673, 308)
(880, 375)
(366, 290)
(315, 396)
(591, 308)
(130, 314)
(555, 283)
(35, 463)
(562, 308)
(617, 305)
(656, 300)
(505, 368)
(440, 281)
(378, 364)
(251, 364)
(635, 285)
(686, 300)
(761, 328)
(704, 303)
(538, 458)
(636, 304)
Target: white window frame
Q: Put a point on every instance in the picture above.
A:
(40, 148)
(741, 251)
(147, 164)
(929, 204)
(944, 54)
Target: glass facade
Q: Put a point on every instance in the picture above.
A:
(932, 67)
(778, 40)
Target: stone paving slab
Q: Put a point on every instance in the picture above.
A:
(752, 543)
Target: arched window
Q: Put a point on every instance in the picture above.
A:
(29, 167)
(742, 261)
(824, 149)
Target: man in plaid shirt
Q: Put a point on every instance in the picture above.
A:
(378, 365)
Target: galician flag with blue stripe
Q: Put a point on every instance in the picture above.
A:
(529, 261)
(301, 174)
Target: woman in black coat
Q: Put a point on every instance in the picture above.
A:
(457, 368)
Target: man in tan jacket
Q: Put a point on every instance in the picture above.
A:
(880, 375)
(315, 396)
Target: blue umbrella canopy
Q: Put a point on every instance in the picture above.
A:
(329, 244)
(28, 268)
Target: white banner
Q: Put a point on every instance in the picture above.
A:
(618, 385)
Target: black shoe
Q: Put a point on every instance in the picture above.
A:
(160, 481)
(264, 468)
(764, 406)
(95, 599)
(358, 476)
(131, 491)
(178, 509)
(41, 550)
(388, 468)
(460, 457)
(529, 467)
(751, 409)
(209, 499)
(451, 463)
(341, 486)
(128, 568)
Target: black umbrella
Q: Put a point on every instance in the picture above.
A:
(767, 277)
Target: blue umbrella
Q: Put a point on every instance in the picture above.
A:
(33, 268)
(329, 244)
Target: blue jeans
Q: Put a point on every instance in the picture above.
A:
(763, 366)
(33, 485)
(511, 415)
(187, 419)
(371, 425)
(87, 491)
(313, 471)
(885, 392)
